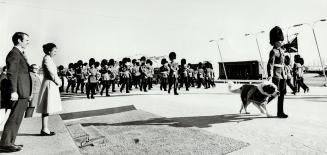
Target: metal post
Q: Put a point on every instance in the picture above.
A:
(322, 65)
(263, 70)
(221, 58)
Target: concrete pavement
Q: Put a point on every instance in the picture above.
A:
(216, 110)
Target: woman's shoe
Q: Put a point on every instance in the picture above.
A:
(47, 134)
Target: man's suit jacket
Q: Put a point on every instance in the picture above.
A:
(18, 74)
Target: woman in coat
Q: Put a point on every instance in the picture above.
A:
(49, 97)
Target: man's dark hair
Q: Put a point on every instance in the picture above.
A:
(18, 35)
(4, 68)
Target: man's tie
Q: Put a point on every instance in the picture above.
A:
(23, 52)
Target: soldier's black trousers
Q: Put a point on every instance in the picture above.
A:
(80, 82)
(184, 80)
(281, 85)
(163, 83)
(172, 82)
(105, 85)
(91, 87)
(125, 82)
(71, 83)
(144, 82)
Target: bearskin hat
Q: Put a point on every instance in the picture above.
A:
(76, 65)
(91, 61)
(104, 62)
(172, 55)
(133, 61)
(71, 65)
(61, 67)
(111, 62)
(163, 61)
(200, 65)
(276, 34)
(143, 58)
(183, 61)
(97, 64)
(80, 62)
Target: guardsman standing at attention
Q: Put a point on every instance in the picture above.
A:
(173, 75)
(276, 68)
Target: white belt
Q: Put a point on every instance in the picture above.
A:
(278, 65)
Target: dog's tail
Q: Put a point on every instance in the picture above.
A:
(233, 90)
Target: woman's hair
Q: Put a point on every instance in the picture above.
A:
(47, 48)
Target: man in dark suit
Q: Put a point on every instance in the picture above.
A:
(20, 88)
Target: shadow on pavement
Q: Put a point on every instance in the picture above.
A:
(195, 121)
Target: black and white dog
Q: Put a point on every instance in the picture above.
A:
(256, 94)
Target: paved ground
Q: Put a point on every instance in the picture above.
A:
(216, 110)
(142, 133)
(34, 144)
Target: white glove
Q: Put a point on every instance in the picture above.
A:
(14, 96)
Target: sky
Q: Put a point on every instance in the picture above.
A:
(113, 29)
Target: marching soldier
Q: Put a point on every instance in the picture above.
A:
(125, 75)
(92, 79)
(164, 70)
(112, 74)
(191, 74)
(61, 74)
(80, 76)
(144, 74)
(104, 77)
(173, 75)
(150, 73)
(209, 75)
(200, 75)
(136, 73)
(71, 78)
(183, 72)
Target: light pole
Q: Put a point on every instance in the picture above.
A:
(312, 26)
(221, 58)
(256, 39)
